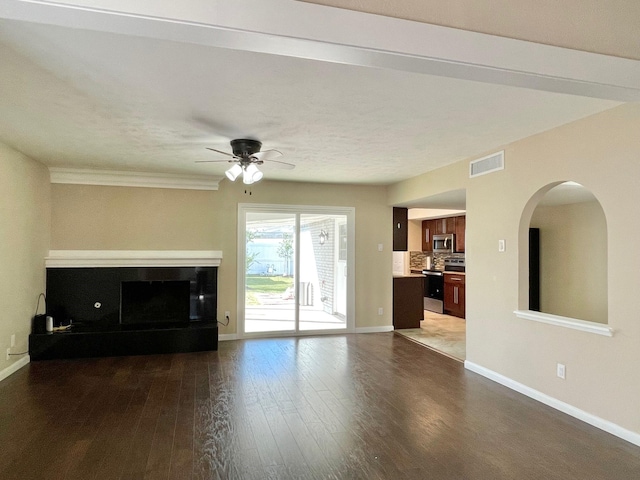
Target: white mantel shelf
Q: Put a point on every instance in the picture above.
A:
(133, 258)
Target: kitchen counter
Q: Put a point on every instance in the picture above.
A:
(455, 273)
(410, 275)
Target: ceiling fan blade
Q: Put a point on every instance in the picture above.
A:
(220, 151)
(214, 161)
(267, 154)
(279, 164)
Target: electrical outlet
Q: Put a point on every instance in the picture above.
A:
(561, 370)
(8, 352)
(227, 315)
(13, 340)
(379, 247)
(380, 311)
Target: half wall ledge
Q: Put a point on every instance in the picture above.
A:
(566, 322)
(133, 258)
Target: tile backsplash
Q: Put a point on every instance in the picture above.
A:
(438, 260)
(417, 260)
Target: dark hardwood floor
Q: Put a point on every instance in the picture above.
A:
(368, 406)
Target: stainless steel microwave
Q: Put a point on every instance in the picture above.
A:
(444, 243)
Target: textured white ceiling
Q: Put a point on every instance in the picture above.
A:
(78, 98)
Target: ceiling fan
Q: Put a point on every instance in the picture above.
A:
(246, 157)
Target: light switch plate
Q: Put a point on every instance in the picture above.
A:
(502, 245)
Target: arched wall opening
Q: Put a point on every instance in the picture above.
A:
(573, 270)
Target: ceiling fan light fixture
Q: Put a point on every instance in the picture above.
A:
(257, 176)
(246, 157)
(251, 174)
(233, 172)
(246, 180)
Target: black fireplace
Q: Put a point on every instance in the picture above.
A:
(156, 303)
(129, 311)
(111, 297)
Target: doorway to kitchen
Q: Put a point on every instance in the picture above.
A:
(293, 265)
(437, 249)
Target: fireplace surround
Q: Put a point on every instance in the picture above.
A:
(129, 303)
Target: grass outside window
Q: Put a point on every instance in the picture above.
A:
(261, 284)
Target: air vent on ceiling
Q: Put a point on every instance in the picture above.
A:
(488, 164)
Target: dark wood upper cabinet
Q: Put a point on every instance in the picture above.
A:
(450, 225)
(445, 225)
(400, 229)
(461, 223)
(440, 226)
(428, 231)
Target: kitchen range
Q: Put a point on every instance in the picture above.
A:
(434, 284)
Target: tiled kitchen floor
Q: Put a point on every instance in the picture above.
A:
(443, 333)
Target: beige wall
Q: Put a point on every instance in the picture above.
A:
(573, 260)
(601, 152)
(609, 27)
(24, 241)
(122, 218)
(414, 232)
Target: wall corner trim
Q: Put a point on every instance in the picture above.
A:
(573, 323)
(113, 178)
(602, 424)
(14, 367)
(383, 328)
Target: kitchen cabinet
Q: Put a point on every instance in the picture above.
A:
(400, 229)
(444, 225)
(441, 226)
(454, 294)
(449, 224)
(408, 302)
(428, 231)
(461, 224)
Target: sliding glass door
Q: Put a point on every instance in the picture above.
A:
(270, 273)
(295, 269)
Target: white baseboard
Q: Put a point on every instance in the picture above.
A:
(602, 424)
(223, 337)
(384, 328)
(14, 367)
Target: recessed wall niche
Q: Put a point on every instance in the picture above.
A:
(572, 252)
